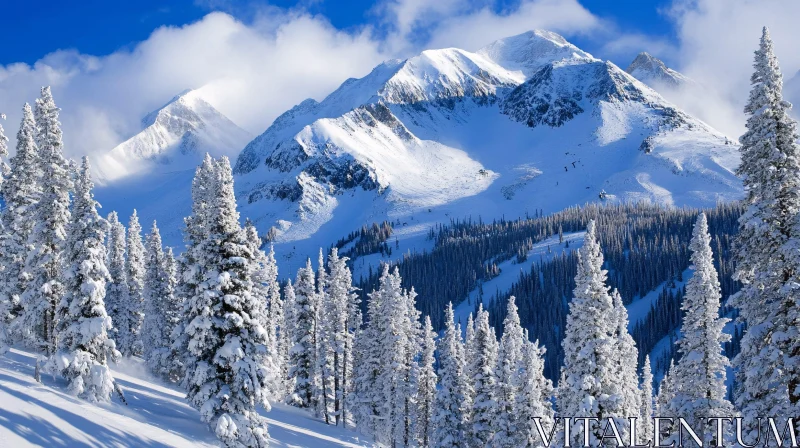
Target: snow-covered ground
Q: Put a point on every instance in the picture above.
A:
(33, 414)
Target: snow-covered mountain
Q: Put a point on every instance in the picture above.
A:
(653, 72)
(527, 123)
(174, 137)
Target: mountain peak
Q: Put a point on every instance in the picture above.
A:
(181, 104)
(530, 51)
(175, 136)
(653, 72)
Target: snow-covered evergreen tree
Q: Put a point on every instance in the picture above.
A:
(262, 285)
(666, 392)
(398, 347)
(83, 325)
(21, 191)
(426, 389)
(45, 261)
(645, 428)
(117, 288)
(627, 379)
(699, 376)
(190, 267)
(131, 311)
(302, 355)
(588, 385)
(172, 359)
(345, 320)
(278, 337)
(289, 321)
(509, 364)
(162, 308)
(325, 343)
(468, 355)
(226, 377)
(367, 396)
(768, 366)
(484, 380)
(451, 408)
(153, 326)
(533, 399)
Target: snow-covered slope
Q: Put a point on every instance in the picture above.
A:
(528, 123)
(33, 414)
(653, 72)
(174, 137)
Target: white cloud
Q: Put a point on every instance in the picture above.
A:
(471, 24)
(716, 43)
(256, 70)
(251, 72)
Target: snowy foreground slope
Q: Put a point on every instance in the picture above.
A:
(528, 123)
(33, 414)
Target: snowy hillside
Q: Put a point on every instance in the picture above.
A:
(174, 137)
(156, 415)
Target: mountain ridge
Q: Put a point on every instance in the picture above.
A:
(174, 137)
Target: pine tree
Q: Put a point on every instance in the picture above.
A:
(162, 309)
(398, 346)
(450, 406)
(533, 399)
(83, 325)
(345, 317)
(426, 391)
(190, 268)
(325, 346)
(768, 370)
(645, 429)
(666, 393)
(21, 191)
(279, 337)
(699, 376)
(484, 380)
(153, 325)
(509, 363)
(117, 288)
(289, 320)
(302, 355)
(226, 377)
(367, 396)
(45, 261)
(588, 387)
(626, 378)
(172, 358)
(262, 284)
(468, 355)
(132, 310)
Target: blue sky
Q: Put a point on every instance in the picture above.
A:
(100, 27)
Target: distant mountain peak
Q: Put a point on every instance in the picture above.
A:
(530, 51)
(175, 135)
(653, 72)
